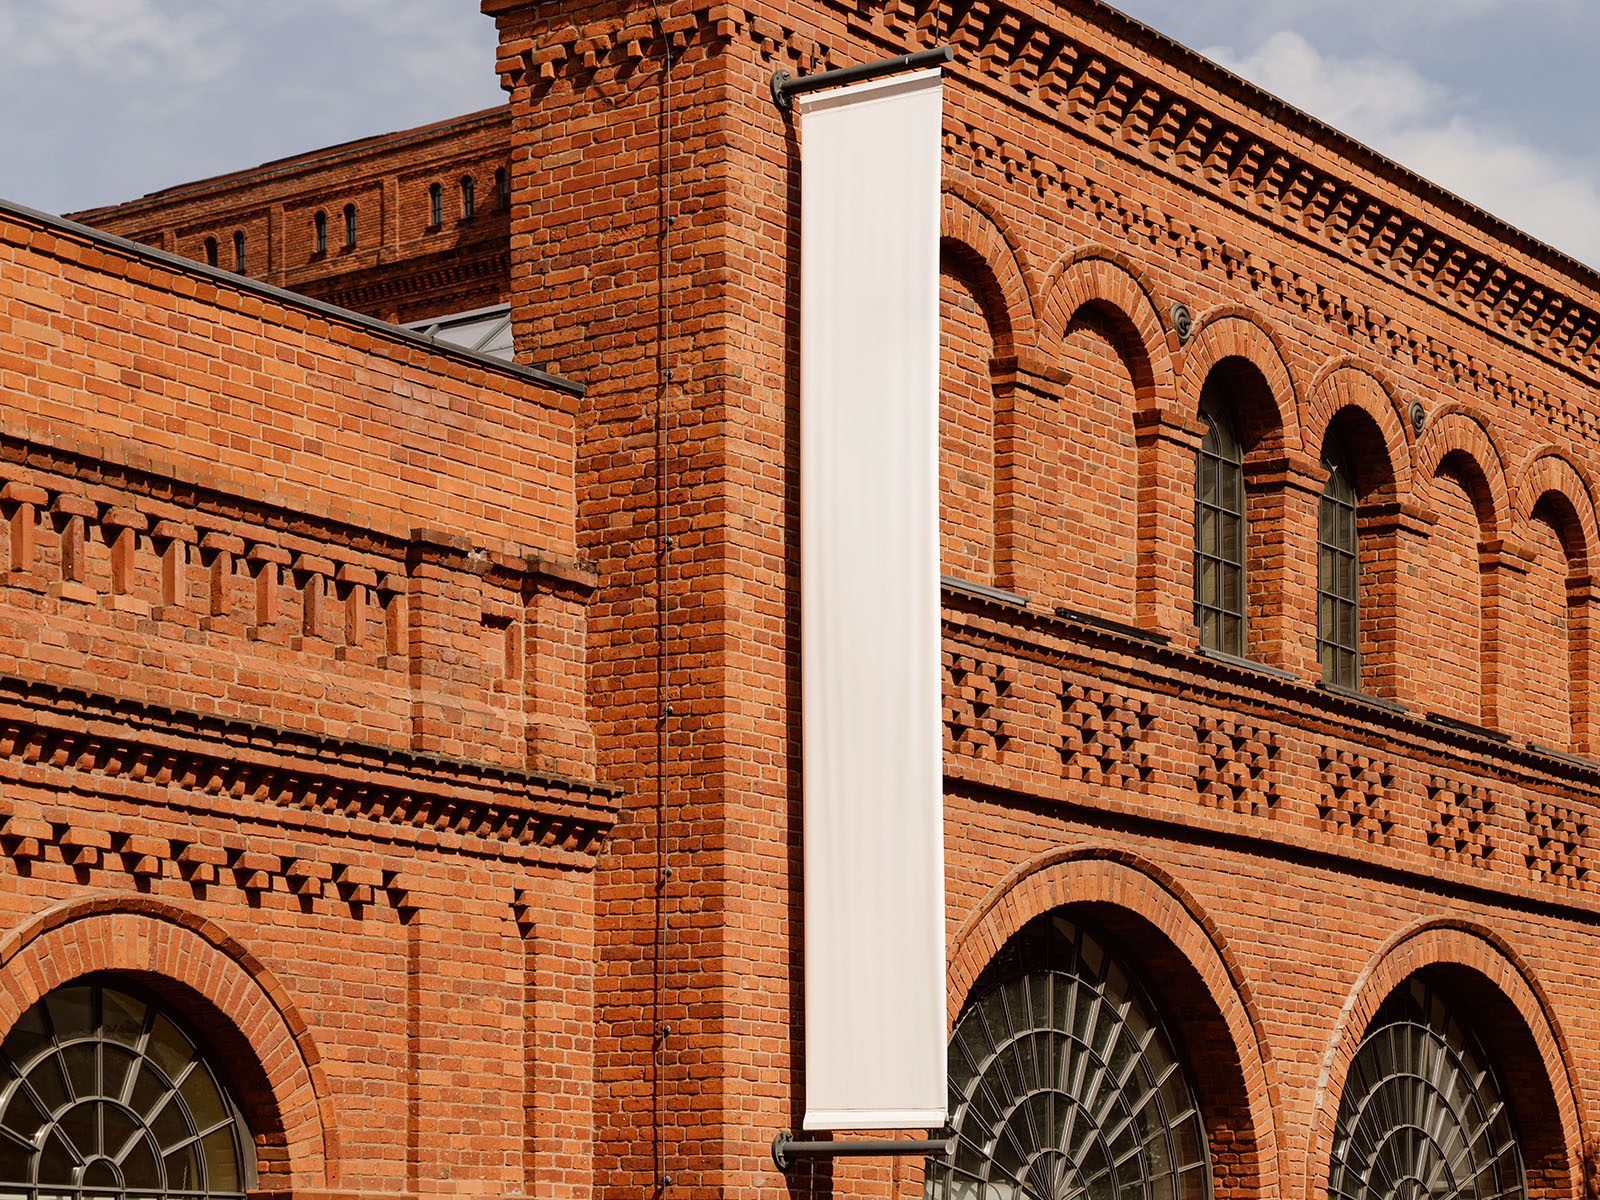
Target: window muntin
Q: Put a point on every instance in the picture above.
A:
(319, 233)
(349, 226)
(1339, 575)
(1065, 1083)
(238, 252)
(467, 188)
(105, 1095)
(1219, 530)
(1422, 1116)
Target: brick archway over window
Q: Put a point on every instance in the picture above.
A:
(1513, 1021)
(1190, 972)
(229, 996)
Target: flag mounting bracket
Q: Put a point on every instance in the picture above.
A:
(786, 87)
(786, 1149)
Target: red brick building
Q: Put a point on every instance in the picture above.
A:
(420, 732)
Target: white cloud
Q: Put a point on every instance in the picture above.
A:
(177, 44)
(1388, 104)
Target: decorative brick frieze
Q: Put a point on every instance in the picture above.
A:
(975, 717)
(1559, 849)
(1236, 765)
(1459, 828)
(196, 760)
(1102, 737)
(337, 599)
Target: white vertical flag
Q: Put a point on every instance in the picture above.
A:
(869, 553)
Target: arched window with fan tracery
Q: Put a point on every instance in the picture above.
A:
(1066, 1083)
(106, 1094)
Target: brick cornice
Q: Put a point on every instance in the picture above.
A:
(1055, 63)
(48, 734)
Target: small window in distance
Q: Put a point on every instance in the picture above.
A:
(211, 252)
(435, 206)
(238, 251)
(502, 188)
(349, 226)
(319, 233)
(466, 197)
(1338, 574)
(1219, 529)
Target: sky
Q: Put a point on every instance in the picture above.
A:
(107, 100)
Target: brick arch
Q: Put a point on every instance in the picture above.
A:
(1100, 275)
(224, 990)
(1501, 972)
(1238, 331)
(1549, 470)
(1347, 382)
(1001, 272)
(1457, 429)
(1108, 878)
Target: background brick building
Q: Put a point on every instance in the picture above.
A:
(423, 730)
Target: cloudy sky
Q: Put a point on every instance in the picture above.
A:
(109, 99)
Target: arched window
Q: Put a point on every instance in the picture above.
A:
(319, 233)
(502, 188)
(435, 206)
(238, 251)
(1339, 573)
(466, 197)
(1065, 1083)
(349, 226)
(1219, 527)
(211, 252)
(105, 1093)
(1422, 1114)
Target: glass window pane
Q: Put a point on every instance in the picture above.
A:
(49, 1084)
(71, 1012)
(183, 1169)
(168, 1047)
(28, 1037)
(122, 1017)
(141, 1168)
(204, 1099)
(222, 1161)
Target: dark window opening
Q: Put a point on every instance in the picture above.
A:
(1219, 529)
(466, 197)
(349, 226)
(1339, 574)
(238, 252)
(319, 231)
(435, 206)
(211, 252)
(502, 187)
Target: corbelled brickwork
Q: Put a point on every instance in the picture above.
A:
(409, 259)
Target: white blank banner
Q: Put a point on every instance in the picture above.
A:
(869, 553)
